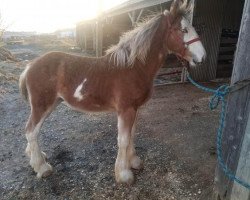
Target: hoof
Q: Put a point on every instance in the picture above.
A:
(125, 176)
(136, 163)
(44, 170)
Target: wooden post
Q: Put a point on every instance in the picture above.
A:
(132, 17)
(139, 16)
(94, 35)
(236, 140)
(85, 42)
(99, 31)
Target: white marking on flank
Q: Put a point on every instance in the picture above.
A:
(78, 95)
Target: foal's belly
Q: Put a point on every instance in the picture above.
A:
(88, 103)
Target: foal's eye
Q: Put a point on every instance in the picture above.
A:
(184, 30)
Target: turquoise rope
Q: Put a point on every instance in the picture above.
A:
(219, 96)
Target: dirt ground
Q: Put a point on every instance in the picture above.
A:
(175, 138)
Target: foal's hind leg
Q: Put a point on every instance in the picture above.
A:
(123, 172)
(135, 161)
(37, 157)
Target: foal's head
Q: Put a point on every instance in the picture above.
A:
(181, 37)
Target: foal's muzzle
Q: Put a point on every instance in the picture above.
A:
(199, 61)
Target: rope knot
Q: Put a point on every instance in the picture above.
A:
(218, 95)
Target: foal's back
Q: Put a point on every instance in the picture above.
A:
(91, 84)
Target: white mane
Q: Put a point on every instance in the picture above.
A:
(135, 44)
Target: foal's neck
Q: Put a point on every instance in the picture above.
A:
(157, 52)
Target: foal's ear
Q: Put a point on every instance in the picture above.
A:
(180, 8)
(188, 10)
(175, 7)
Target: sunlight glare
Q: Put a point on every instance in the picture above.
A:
(49, 15)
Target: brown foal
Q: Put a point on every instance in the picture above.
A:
(120, 81)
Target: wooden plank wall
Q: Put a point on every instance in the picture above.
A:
(236, 143)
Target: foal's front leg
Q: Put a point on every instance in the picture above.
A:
(123, 172)
(135, 161)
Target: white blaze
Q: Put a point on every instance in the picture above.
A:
(196, 48)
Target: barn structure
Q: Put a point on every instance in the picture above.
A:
(223, 26)
(217, 23)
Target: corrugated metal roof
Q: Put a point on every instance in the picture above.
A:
(132, 5)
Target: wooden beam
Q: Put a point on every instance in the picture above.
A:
(139, 16)
(132, 18)
(236, 136)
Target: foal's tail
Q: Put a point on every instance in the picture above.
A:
(22, 84)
